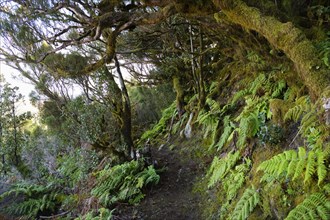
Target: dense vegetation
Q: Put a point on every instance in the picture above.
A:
(243, 86)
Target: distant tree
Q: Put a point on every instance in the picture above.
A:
(11, 134)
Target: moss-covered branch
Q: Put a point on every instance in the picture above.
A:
(285, 37)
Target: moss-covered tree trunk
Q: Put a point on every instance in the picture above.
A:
(126, 113)
(285, 37)
(121, 109)
(179, 95)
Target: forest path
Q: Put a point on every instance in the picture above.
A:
(173, 197)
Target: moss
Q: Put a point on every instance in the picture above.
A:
(278, 107)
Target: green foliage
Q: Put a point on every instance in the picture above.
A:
(123, 182)
(167, 114)
(235, 180)
(220, 167)
(209, 119)
(278, 88)
(315, 206)
(302, 105)
(73, 167)
(11, 135)
(148, 102)
(248, 127)
(324, 49)
(292, 164)
(37, 199)
(246, 204)
(103, 214)
(227, 134)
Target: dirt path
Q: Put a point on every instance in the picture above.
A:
(172, 198)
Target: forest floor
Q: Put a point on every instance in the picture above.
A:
(173, 198)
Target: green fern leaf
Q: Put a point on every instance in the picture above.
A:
(220, 168)
(302, 105)
(246, 204)
(277, 91)
(310, 166)
(301, 163)
(313, 207)
(292, 164)
(321, 168)
(257, 84)
(227, 133)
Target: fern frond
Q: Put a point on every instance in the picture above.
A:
(257, 84)
(279, 164)
(220, 167)
(226, 134)
(313, 207)
(301, 162)
(310, 119)
(296, 164)
(239, 95)
(123, 182)
(246, 204)
(321, 168)
(248, 127)
(278, 89)
(233, 182)
(302, 105)
(310, 166)
(293, 163)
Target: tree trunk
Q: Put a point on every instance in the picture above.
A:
(126, 126)
(285, 37)
(201, 90)
(16, 157)
(179, 95)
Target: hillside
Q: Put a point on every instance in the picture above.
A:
(206, 109)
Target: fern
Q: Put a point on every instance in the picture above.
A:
(278, 89)
(227, 133)
(302, 105)
(103, 214)
(123, 182)
(239, 95)
(161, 125)
(209, 122)
(248, 127)
(37, 198)
(233, 182)
(220, 168)
(246, 204)
(257, 84)
(294, 164)
(313, 207)
(209, 119)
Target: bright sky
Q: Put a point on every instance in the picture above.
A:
(13, 78)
